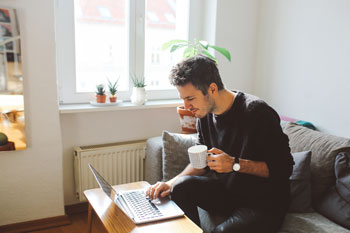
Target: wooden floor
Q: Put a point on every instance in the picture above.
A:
(78, 225)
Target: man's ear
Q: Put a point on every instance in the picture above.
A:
(213, 89)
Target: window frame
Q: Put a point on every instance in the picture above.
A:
(65, 40)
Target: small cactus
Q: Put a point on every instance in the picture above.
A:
(100, 89)
(113, 87)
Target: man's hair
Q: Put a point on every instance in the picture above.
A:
(199, 70)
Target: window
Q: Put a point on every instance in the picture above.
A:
(160, 27)
(100, 44)
(114, 40)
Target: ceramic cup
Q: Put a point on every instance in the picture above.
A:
(198, 156)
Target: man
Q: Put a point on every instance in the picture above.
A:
(247, 178)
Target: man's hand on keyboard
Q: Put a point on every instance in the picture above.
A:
(159, 189)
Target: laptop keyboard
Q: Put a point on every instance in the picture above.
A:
(141, 205)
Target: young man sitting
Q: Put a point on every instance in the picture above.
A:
(247, 177)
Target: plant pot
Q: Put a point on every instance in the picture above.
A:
(187, 120)
(138, 95)
(112, 99)
(100, 98)
(8, 146)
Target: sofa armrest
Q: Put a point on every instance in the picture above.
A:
(153, 161)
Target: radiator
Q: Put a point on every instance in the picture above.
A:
(118, 163)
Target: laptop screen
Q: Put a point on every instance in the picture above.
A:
(105, 186)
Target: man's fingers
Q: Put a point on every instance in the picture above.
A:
(152, 196)
(159, 190)
(212, 149)
(165, 193)
(150, 191)
(211, 162)
(215, 151)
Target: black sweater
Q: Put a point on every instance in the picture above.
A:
(251, 130)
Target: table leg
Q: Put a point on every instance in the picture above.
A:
(90, 213)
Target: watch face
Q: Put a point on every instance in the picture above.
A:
(236, 167)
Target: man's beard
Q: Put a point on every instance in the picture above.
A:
(211, 106)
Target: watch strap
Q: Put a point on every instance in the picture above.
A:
(237, 159)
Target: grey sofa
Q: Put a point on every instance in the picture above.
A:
(316, 196)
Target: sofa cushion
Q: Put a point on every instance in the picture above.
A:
(175, 155)
(300, 184)
(342, 173)
(309, 223)
(335, 204)
(293, 223)
(153, 161)
(324, 148)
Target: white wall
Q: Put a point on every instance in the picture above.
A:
(303, 62)
(236, 30)
(202, 20)
(208, 23)
(31, 180)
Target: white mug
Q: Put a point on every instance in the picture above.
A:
(198, 156)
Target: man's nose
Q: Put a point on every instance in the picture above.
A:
(187, 105)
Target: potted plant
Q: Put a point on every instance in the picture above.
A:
(138, 92)
(100, 93)
(187, 119)
(196, 47)
(113, 90)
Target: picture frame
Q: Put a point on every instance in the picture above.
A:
(9, 30)
(5, 15)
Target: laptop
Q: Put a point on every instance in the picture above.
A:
(136, 205)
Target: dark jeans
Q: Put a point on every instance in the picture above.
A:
(189, 192)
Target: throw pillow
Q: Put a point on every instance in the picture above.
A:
(306, 124)
(175, 155)
(335, 204)
(324, 148)
(300, 185)
(342, 173)
(285, 120)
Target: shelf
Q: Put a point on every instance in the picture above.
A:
(80, 108)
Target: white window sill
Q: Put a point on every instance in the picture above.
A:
(80, 108)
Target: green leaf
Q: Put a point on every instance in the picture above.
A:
(166, 45)
(223, 51)
(204, 44)
(113, 86)
(138, 81)
(189, 52)
(205, 52)
(177, 46)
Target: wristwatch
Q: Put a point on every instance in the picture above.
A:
(236, 165)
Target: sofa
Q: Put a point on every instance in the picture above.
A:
(320, 183)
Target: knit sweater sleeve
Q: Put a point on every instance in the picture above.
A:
(273, 144)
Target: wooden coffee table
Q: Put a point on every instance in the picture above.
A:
(114, 219)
